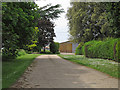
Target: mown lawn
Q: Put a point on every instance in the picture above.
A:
(12, 70)
(107, 66)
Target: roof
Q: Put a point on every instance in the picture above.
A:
(65, 42)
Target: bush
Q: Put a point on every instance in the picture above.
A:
(8, 54)
(29, 51)
(107, 49)
(21, 52)
(54, 47)
(78, 50)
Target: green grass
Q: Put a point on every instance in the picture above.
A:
(12, 70)
(107, 66)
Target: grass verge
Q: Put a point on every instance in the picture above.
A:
(107, 66)
(12, 70)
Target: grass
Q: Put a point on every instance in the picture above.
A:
(12, 70)
(106, 66)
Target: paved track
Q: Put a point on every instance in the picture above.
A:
(51, 71)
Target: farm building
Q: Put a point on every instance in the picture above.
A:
(68, 47)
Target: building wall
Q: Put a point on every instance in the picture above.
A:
(66, 47)
(74, 46)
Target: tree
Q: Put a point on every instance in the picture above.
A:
(45, 25)
(89, 21)
(18, 22)
(50, 12)
(46, 32)
(113, 16)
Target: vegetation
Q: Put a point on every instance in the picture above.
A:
(21, 52)
(93, 21)
(107, 66)
(54, 47)
(45, 25)
(45, 52)
(106, 49)
(26, 29)
(19, 32)
(78, 50)
(31, 35)
(13, 69)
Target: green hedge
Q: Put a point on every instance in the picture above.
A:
(78, 50)
(107, 49)
(54, 47)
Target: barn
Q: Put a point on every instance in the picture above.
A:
(68, 47)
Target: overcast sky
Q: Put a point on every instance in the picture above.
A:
(61, 28)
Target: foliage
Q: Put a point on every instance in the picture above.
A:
(46, 32)
(113, 15)
(12, 70)
(46, 52)
(93, 21)
(26, 26)
(21, 52)
(107, 66)
(16, 33)
(50, 12)
(33, 45)
(78, 50)
(45, 25)
(106, 49)
(54, 47)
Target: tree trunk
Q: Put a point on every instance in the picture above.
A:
(44, 49)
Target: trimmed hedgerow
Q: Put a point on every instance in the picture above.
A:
(85, 48)
(107, 49)
(78, 50)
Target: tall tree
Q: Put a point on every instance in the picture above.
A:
(88, 21)
(18, 22)
(45, 24)
(46, 32)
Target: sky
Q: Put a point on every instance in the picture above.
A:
(61, 27)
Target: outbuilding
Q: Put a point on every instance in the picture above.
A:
(68, 47)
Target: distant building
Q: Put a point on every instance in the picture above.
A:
(68, 47)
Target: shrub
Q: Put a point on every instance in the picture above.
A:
(21, 52)
(54, 47)
(78, 50)
(107, 49)
(29, 51)
(8, 54)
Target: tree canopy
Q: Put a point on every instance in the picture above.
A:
(25, 25)
(93, 20)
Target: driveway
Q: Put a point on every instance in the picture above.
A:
(68, 53)
(51, 71)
